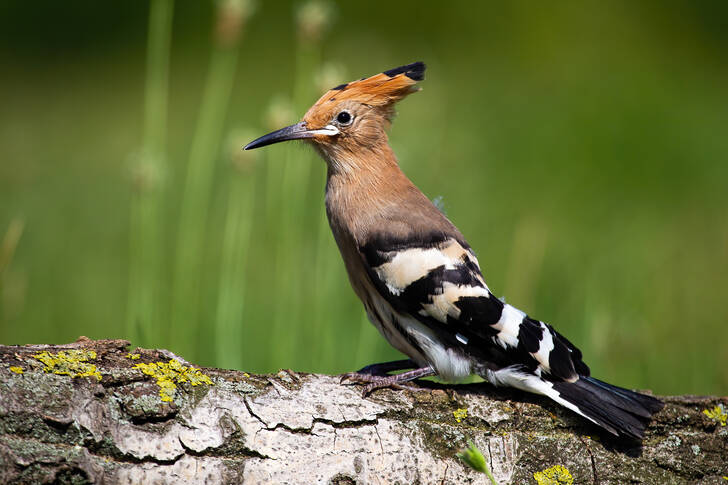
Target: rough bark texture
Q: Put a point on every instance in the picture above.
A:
(304, 428)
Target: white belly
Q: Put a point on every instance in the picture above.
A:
(449, 364)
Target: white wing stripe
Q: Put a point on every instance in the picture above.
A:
(509, 326)
(545, 347)
(410, 265)
(513, 377)
(444, 304)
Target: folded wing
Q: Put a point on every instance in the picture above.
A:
(436, 279)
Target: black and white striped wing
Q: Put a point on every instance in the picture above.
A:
(437, 280)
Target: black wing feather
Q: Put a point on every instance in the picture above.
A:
(477, 315)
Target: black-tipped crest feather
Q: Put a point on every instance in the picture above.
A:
(414, 71)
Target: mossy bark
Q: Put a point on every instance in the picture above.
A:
(304, 428)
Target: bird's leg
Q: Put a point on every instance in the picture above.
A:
(395, 381)
(385, 368)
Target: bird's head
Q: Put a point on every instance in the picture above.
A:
(351, 116)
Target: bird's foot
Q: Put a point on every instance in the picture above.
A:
(373, 382)
(397, 381)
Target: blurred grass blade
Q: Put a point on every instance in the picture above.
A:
(312, 18)
(325, 262)
(143, 307)
(233, 260)
(198, 182)
(530, 241)
(10, 242)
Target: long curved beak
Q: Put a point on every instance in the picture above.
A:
(293, 132)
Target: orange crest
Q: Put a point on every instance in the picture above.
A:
(381, 90)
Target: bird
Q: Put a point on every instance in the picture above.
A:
(419, 280)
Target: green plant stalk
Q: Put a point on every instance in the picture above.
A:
(273, 177)
(297, 171)
(325, 257)
(366, 346)
(143, 308)
(9, 243)
(290, 250)
(490, 476)
(196, 199)
(144, 268)
(231, 293)
(288, 173)
(8, 246)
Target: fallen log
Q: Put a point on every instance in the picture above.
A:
(96, 412)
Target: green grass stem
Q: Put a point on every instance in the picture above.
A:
(195, 202)
(143, 307)
(294, 208)
(234, 256)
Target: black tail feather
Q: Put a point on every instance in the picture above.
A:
(618, 410)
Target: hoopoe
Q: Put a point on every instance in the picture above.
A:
(418, 278)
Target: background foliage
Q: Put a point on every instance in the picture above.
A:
(581, 148)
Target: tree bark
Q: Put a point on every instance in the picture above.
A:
(114, 424)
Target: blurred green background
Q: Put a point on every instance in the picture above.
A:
(580, 147)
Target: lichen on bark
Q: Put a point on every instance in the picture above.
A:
(303, 428)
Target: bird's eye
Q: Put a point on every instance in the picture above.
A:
(344, 118)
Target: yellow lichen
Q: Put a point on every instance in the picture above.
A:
(17, 370)
(555, 475)
(717, 414)
(169, 374)
(72, 363)
(460, 414)
(133, 356)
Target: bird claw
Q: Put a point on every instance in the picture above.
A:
(356, 378)
(369, 388)
(348, 375)
(373, 382)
